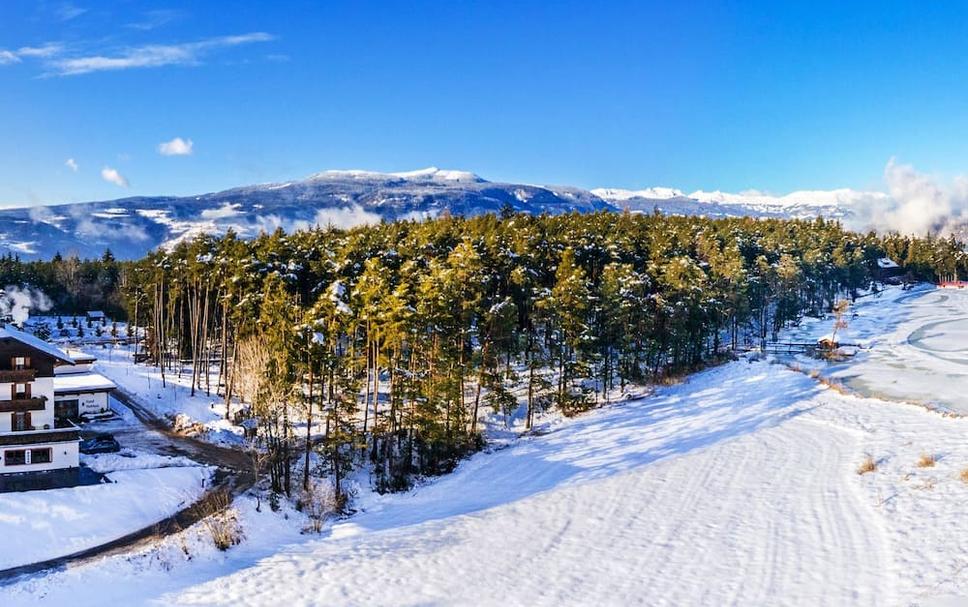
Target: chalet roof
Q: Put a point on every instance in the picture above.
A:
(95, 314)
(81, 358)
(8, 332)
(82, 382)
(886, 263)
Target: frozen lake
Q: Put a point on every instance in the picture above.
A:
(918, 347)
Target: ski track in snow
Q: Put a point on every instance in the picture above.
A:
(769, 517)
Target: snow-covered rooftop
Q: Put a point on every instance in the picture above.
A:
(82, 382)
(9, 332)
(886, 263)
(81, 357)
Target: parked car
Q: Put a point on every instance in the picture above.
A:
(101, 443)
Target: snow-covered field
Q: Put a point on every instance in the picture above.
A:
(40, 525)
(916, 347)
(739, 486)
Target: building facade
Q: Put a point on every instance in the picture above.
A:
(79, 392)
(31, 438)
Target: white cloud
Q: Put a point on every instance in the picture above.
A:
(71, 164)
(113, 176)
(916, 203)
(176, 147)
(8, 57)
(229, 209)
(153, 55)
(154, 19)
(345, 217)
(68, 11)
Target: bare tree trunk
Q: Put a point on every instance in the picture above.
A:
(309, 422)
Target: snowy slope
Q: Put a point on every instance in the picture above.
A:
(735, 488)
(133, 226)
(689, 498)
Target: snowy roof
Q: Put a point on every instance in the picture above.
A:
(8, 332)
(81, 357)
(82, 382)
(887, 263)
(95, 314)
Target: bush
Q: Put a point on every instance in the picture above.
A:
(927, 460)
(868, 465)
(318, 503)
(221, 521)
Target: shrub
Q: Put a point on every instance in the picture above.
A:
(318, 503)
(964, 475)
(927, 460)
(868, 465)
(220, 520)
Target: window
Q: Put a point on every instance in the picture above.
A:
(16, 457)
(41, 456)
(20, 421)
(21, 391)
(21, 362)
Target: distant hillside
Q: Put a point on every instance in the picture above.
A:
(132, 226)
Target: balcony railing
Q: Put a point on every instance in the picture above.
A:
(18, 376)
(36, 437)
(21, 405)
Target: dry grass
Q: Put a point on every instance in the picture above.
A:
(221, 521)
(927, 460)
(835, 385)
(868, 465)
(964, 475)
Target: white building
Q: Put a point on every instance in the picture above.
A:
(78, 391)
(31, 438)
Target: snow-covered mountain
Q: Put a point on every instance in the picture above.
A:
(806, 203)
(132, 226)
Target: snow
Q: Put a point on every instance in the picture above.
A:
(914, 347)
(428, 174)
(128, 459)
(843, 197)
(82, 382)
(619, 194)
(175, 398)
(39, 525)
(887, 263)
(738, 486)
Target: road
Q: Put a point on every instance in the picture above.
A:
(234, 474)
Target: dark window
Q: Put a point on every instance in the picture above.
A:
(20, 421)
(66, 410)
(21, 391)
(40, 456)
(15, 458)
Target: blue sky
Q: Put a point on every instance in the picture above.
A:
(773, 96)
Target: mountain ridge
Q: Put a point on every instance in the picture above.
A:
(134, 225)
